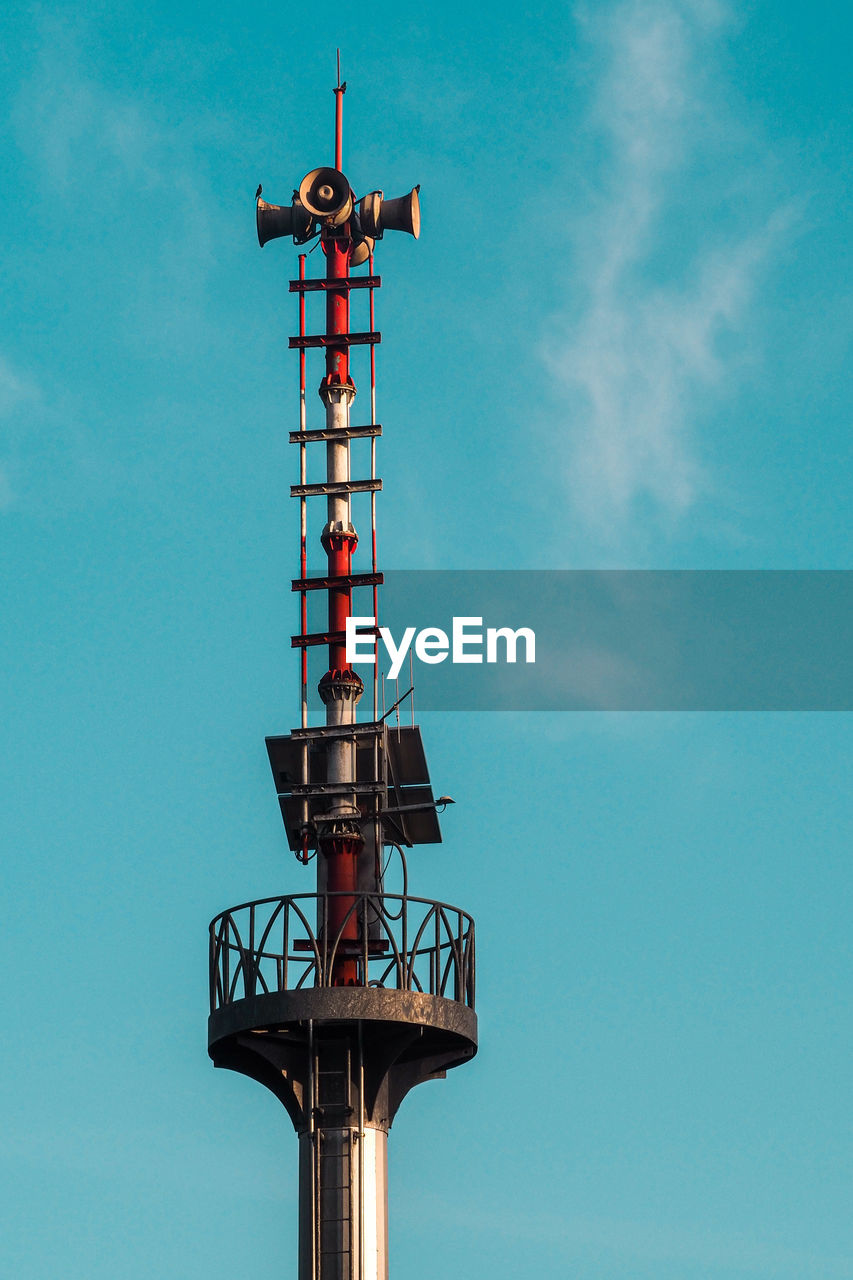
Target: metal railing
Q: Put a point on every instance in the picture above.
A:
(285, 944)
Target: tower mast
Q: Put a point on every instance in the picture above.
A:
(342, 1000)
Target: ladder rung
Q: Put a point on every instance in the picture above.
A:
(352, 282)
(319, 732)
(328, 637)
(339, 433)
(334, 789)
(336, 340)
(318, 637)
(345, 580)
(330, 489)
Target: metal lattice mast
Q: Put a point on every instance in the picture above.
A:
(342, 1000)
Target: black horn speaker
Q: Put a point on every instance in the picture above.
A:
(403, 214)
(326, 194)
(361, 252)
(274, 220)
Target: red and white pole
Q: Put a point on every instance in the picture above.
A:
(340, 836)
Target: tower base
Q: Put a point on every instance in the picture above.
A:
(341, 1060)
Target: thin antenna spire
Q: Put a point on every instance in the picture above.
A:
(339, 91)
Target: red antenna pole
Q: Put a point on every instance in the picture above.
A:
(340, 688)
(339, 91)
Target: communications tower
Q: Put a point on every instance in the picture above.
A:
(342, 1000)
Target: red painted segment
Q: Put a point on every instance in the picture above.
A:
(339, 91)
(342, 923)
(337, 250)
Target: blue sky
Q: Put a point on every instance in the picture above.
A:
(622, 341)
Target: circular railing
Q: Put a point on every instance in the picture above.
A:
(286, 944)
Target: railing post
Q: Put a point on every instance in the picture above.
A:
(213, 965)
(285, 942)
(405, 976)
(365, 945)
(250, 979)
(324, 941)
(432, 966)
(226, 959)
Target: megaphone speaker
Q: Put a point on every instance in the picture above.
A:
(403, 214)
(274, 220)
(361, 252)
(326, 194)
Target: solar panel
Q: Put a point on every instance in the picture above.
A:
(397, 776)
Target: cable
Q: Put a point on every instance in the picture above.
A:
(399, 848)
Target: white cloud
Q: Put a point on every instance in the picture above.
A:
(15, 388)
(17, 393)
(100, 146)
(81, 131)
(643, 355)
(7, 496)
(127, 233)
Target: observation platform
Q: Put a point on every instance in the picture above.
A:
(408, 1016)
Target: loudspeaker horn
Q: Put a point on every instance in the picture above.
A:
(326, 194)
(403, 214)
(274, 220)
(361, 252)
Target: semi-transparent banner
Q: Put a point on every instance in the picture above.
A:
(545, 640)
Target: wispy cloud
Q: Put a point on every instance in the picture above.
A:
(79, 127)
(7, 496)
(17, 393)
(665, 264)
(86, 132)
(15, 388)
(119, 151)
(127, 235)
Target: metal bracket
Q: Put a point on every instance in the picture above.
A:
(323, 285)
(337, 487)
(338, 789)
(335, 340)
(328, 637)
(345, 581)
(319, 732)
(337, 433)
